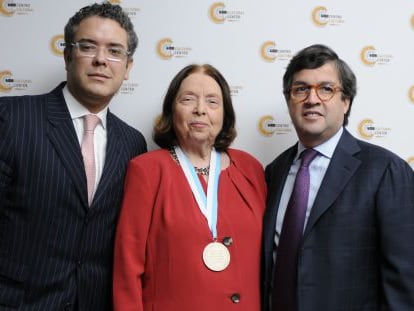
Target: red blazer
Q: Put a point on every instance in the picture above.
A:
(161, 235)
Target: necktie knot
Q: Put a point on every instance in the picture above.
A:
(90, 121)
(307, 157)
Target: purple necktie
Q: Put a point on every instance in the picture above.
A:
(285, 272)
(90, 122)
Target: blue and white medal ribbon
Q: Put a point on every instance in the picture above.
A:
(208, 204)
(216, 256)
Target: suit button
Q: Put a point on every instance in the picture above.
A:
(67, 307)
(227, 241)
(235, 298)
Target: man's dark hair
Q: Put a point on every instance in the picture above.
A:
(105, 10)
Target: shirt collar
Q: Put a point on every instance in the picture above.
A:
(327, 148)
(77, 110)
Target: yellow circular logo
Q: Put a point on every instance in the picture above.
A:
(366, 128)
(57, 45)
(412, 20)
(319, 16)
(411, 94)
(268, 51)
(6, 81)
(165, 48)
(369, 55)
(6, 7)
(216, 12)
(266, 125)
(114, 1)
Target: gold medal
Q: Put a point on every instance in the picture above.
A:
(216, 256)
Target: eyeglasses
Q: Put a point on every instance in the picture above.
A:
(324, 91)
(112, 53)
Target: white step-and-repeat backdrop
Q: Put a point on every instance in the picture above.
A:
(250, 42)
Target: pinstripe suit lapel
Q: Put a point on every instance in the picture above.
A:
(342, 167)
(63, 137)
(114, 151)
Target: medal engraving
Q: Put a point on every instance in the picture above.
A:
(216, 256)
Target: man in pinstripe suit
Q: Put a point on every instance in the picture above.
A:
(55, 247)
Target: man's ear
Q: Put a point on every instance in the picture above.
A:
(67, 57)
(129, 64)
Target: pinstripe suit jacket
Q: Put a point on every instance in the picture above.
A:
(357, 251)
(55, 251)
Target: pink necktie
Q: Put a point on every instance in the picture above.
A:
(285, 275)
(90, 122)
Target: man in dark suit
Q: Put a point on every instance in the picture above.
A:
(355, 248)
(56, 243)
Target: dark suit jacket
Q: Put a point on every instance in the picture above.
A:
(55, 251)
(357, 251)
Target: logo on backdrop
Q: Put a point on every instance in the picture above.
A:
(131, 12)
(321, 17)
(269, 52)
(11, 7)
(57, 45)
(167, 50)
(128, 87)
(235, 90)
(8, 82)
(367, 130)
(370, 56)
(219, 14)
(411, 94)
(267, 126)
(412, 21)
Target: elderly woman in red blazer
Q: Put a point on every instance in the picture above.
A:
(189, 232)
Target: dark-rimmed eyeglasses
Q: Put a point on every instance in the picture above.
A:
(324, 91)
(112, 53)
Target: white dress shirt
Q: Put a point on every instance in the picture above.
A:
(317, 170)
